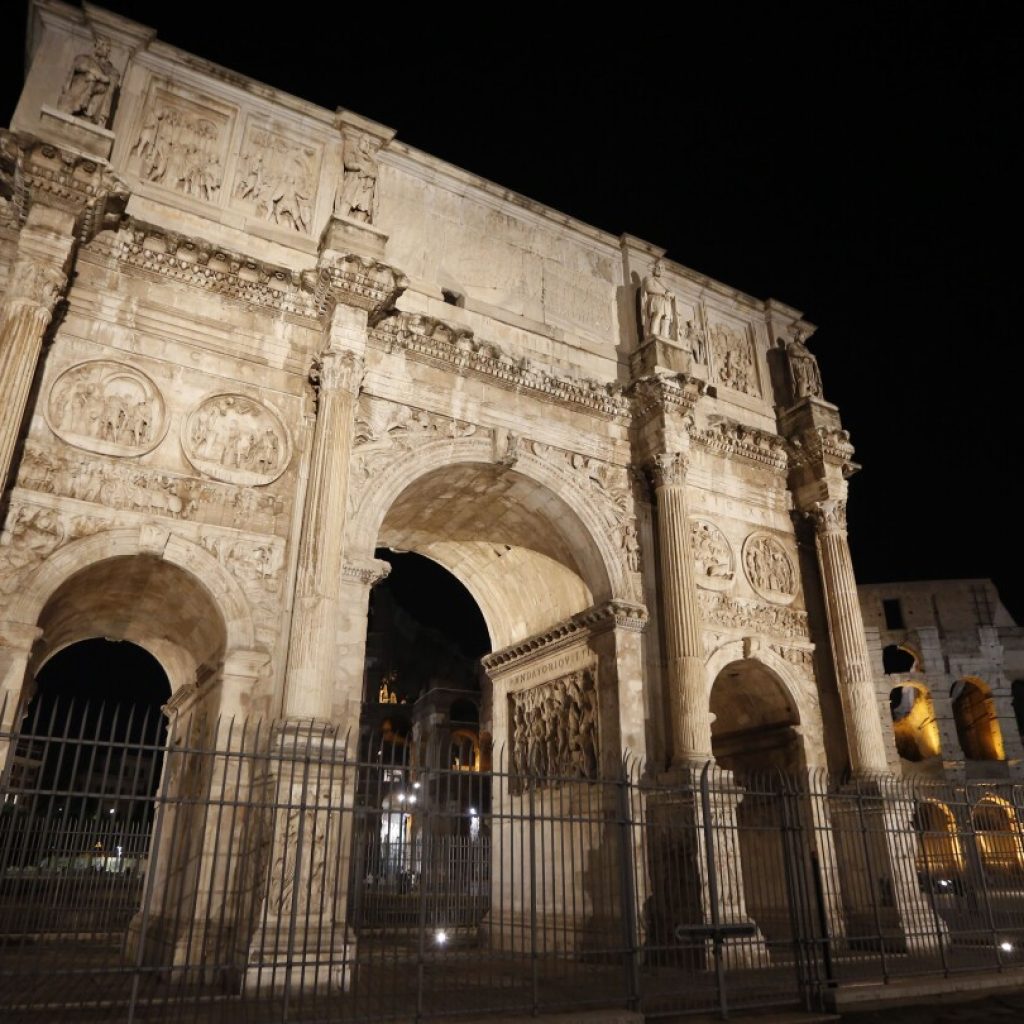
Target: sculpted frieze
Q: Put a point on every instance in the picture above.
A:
(769, 568)
(553, 729)
(133, 488)
(737, 613)
(713, 561)
(181, 146)
(234, 438)
(800, 657)
(277, 179)
(257, 564)
(733, 354)
(34, 532)
(107, 407)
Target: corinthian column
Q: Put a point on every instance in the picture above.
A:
(684, 645)
(337, 374)
(849, 646)
(33, 289)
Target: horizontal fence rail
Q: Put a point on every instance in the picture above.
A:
(228, 871)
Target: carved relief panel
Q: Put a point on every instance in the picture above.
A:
(107, 407)
(553, 730)
(732, 351)
(770, 568)
(713, 561)
(182, 144)
(276, 178)
(234, 438)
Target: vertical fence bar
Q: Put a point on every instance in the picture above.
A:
(627, 891)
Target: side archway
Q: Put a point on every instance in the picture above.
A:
(977, 727)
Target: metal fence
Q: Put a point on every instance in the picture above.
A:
(243, 871)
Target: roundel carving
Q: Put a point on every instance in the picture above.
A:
(713, 562)
(234, 438)
(769, 568)
(107, 407)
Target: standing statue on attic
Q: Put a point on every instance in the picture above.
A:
(355, 197)
(803, 369)
(90, 88)
(657, 306)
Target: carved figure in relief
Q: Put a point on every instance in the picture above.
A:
(179, 150)
(277, 179)
(768, 567)
(711, 556)
(91, 86)
(356, 196)
(553, 729)
(697, 339)
(107, 403)
(231, 430)
(804, 369)
(734, 359)
(658, 305)
(631, 547)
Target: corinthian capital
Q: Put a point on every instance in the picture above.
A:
(337, 370)
(829, 516)
(668, 469)
(36, 283)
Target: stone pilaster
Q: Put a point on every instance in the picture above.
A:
(36, 282)
(680, 623)
(337, 374)
(849, 646)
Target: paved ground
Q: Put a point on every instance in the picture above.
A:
(994, 1008)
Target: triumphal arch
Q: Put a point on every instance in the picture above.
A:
(246, 343)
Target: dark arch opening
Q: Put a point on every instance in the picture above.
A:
(94, 731)
(897, 660)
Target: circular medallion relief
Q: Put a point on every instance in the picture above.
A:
(769, 568)
(107, 407)
(713, 562)
(234, 438)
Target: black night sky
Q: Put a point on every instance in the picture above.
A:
(860, 162)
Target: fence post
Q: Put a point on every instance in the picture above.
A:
(627, 887)
(712, 869)
(531, 788)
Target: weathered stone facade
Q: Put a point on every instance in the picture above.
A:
(246, 341)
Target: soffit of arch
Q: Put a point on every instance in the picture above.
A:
(457, 350)
(790, 664)
(388, 432)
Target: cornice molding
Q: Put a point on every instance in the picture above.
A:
(613, 614)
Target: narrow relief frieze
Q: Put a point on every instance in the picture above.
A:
(132, 488)
(554, 731)
(106, 407)
(738, 613)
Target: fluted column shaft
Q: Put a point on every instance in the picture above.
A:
(684, 644)
(309, 686)
(25, 314)
(849, 645)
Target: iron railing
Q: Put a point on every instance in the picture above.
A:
(231, 871)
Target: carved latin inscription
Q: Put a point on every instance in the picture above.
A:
(554, 731)
(713, 563)
(107, 407)
(769, 568)
(234, 438)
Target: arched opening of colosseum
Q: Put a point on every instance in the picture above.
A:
(940, 858)
(977, 727)
(999, 840)
(161, 638)
(525, 563)
(913, 722)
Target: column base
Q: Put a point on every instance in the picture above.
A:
(306, 961)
